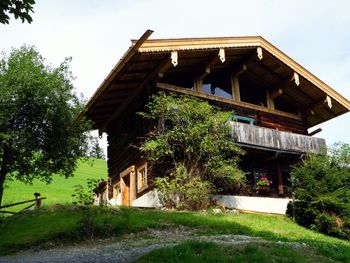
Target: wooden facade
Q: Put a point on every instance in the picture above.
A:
(274, 102)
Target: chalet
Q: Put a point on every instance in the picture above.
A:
(274, 100)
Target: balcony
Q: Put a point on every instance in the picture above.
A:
(270, 139)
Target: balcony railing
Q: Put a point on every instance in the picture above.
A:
(266, 138)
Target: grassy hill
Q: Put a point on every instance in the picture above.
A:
(280, 238)
(59, 191)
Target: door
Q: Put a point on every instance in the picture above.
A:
(126, 190)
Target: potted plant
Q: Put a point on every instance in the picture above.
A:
(263, 184)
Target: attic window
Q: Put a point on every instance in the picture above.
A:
(281, 105)
(252, 92)
(218, 84)
(183, 79)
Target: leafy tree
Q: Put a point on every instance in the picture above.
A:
(18, 8)
(40, 134)
(192, 147)
(322, 184)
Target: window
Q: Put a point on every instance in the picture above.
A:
(251, 91)
(142, 178)
(218, 84)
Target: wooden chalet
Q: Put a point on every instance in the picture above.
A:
(275, 101)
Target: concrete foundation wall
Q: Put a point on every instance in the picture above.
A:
(256, 204)
(149, 199)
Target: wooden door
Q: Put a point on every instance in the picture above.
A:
(126, 190)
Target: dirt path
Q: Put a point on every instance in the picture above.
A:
(129, 249)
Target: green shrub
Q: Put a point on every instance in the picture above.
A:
(322, 187)
(179, 192)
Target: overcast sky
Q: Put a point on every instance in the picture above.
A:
(96, 33)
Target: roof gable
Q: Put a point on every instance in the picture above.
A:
(147, 60)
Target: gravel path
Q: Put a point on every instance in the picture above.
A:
(129, 249)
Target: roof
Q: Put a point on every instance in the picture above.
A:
(146, 59)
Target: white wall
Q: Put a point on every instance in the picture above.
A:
(256, 204)
(149, 199)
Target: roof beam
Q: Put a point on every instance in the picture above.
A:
(172, 62)
(213, 59)
(259, 53)
(202, 73)
(324, 103)
(120, 67)
(119, 110)
(276, 93)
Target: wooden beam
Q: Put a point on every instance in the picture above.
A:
(315, 132)
(269, 100)
(259, 53)
(173, 61)
(119, 110)
(326, 102)
(295, 79)
(183, 90)
(239, 70)
(235, 73)
(276, 93)
(222, 55)
(205, 71)
(174, 58)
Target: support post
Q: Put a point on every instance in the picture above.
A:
(280, 179)
(37, 201)
(132, 185)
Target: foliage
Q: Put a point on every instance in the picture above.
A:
(85, 199)
(322, 185)
(95, 150)
(191, 146)
(180, 193)
(40, 134)
(52, 226)
(264, 181)
(18, 8)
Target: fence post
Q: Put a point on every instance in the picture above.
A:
(37, 201)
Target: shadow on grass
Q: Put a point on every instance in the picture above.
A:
(52, 226)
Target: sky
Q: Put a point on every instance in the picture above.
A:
(96, 33)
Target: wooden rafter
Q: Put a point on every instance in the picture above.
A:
(324, 103)
(276, 93)
(119, 110)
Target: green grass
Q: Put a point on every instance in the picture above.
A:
(194, 251)
(59, 191)
(59, 225)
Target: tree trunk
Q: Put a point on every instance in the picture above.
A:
(4, 168)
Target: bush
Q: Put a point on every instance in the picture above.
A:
(322, 185)
(176, 191)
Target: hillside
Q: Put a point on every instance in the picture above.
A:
(118, 232)
(60, 190)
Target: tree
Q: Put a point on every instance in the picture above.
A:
(19, 8)
(95, 150)
(322, 184)
(192, 147)
(40, 134)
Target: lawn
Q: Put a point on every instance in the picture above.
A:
(60, 190)
(57, 225)
(202, 252)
